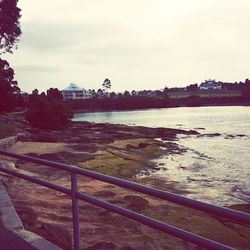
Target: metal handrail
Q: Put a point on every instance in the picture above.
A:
(75, 195)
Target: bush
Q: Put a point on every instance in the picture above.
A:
(48, 114)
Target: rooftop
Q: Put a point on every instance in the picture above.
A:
(73, 86)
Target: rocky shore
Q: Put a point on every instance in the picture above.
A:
(116, 150)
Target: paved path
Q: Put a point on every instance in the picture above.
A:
(11, 241)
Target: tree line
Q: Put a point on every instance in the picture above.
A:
(49, 110)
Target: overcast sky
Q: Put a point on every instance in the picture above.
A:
(137, 44)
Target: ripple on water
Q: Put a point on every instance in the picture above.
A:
(221, 155)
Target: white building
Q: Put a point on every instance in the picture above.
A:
(210, 84)
(73, 92)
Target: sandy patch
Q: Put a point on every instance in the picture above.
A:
(37, 147)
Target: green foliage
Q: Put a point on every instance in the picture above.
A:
(7, 130)
(46, 113)
(193, 101)
(120, 102)
(106, 84)
(10, 30)
(54, 94)
(7, 87)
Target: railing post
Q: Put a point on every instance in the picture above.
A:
(75, 212)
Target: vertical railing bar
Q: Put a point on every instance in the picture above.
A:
(75, 212)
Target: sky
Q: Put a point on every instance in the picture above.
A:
(137, 44)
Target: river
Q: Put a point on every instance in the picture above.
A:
(215, 167)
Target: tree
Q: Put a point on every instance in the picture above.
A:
(106, 84)
(192, 87)
(48, 113)
(9, 33)
(158, 93)
(10, 30)
(7, 86)
(112, 95)
(126, 93)
(54, 94)
(133, 93)
(100, 93)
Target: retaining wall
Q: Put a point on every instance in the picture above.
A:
(7, 142)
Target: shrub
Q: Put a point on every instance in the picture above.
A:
(48, 114)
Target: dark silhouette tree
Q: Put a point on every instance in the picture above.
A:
(126, 93)
(93, 93)
(48, 111)
(192, 87)
(54, 94)
(7, 87)
(158, 93)
(100, 93)
(112, 95)
(133, 93)
(106, 84)
(10, 30)
(35, 92)
(9, 34)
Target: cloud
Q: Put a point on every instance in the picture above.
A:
(134, 43)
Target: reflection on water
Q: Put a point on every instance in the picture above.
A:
(215, 167)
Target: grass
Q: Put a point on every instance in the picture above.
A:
(15, 124)
(7, 130)
(117, 160)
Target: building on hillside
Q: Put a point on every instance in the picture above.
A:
(73, 92)
(204, 94)
(210, 85)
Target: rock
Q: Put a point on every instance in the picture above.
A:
(229, 137)
(241, 135)
(135, 202)
(139, 146)
(26, 213)
(105, 194)
(129, 146)
(101, 246)
(209, 135)
(57, 234)
(127, 248)
(142, 145)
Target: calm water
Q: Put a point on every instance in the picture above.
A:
(215, 167)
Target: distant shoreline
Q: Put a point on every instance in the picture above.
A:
(93, 110)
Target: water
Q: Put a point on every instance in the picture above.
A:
(216, 165)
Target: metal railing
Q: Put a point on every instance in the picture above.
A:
(236, 216)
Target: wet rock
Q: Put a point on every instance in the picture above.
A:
(57, 234)
(27, 214)
(127, 248)
(209, 135)
(129, 146)
(101, 246)
(136, 203)
(142, 145)
(241, 135)
(229, 137)
(139, 146)
(105, 213)
(105, 194)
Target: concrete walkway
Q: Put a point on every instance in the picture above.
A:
(11, 241)
(13, 235)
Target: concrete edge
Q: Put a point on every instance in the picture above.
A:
(9, 216)
(11, 221)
